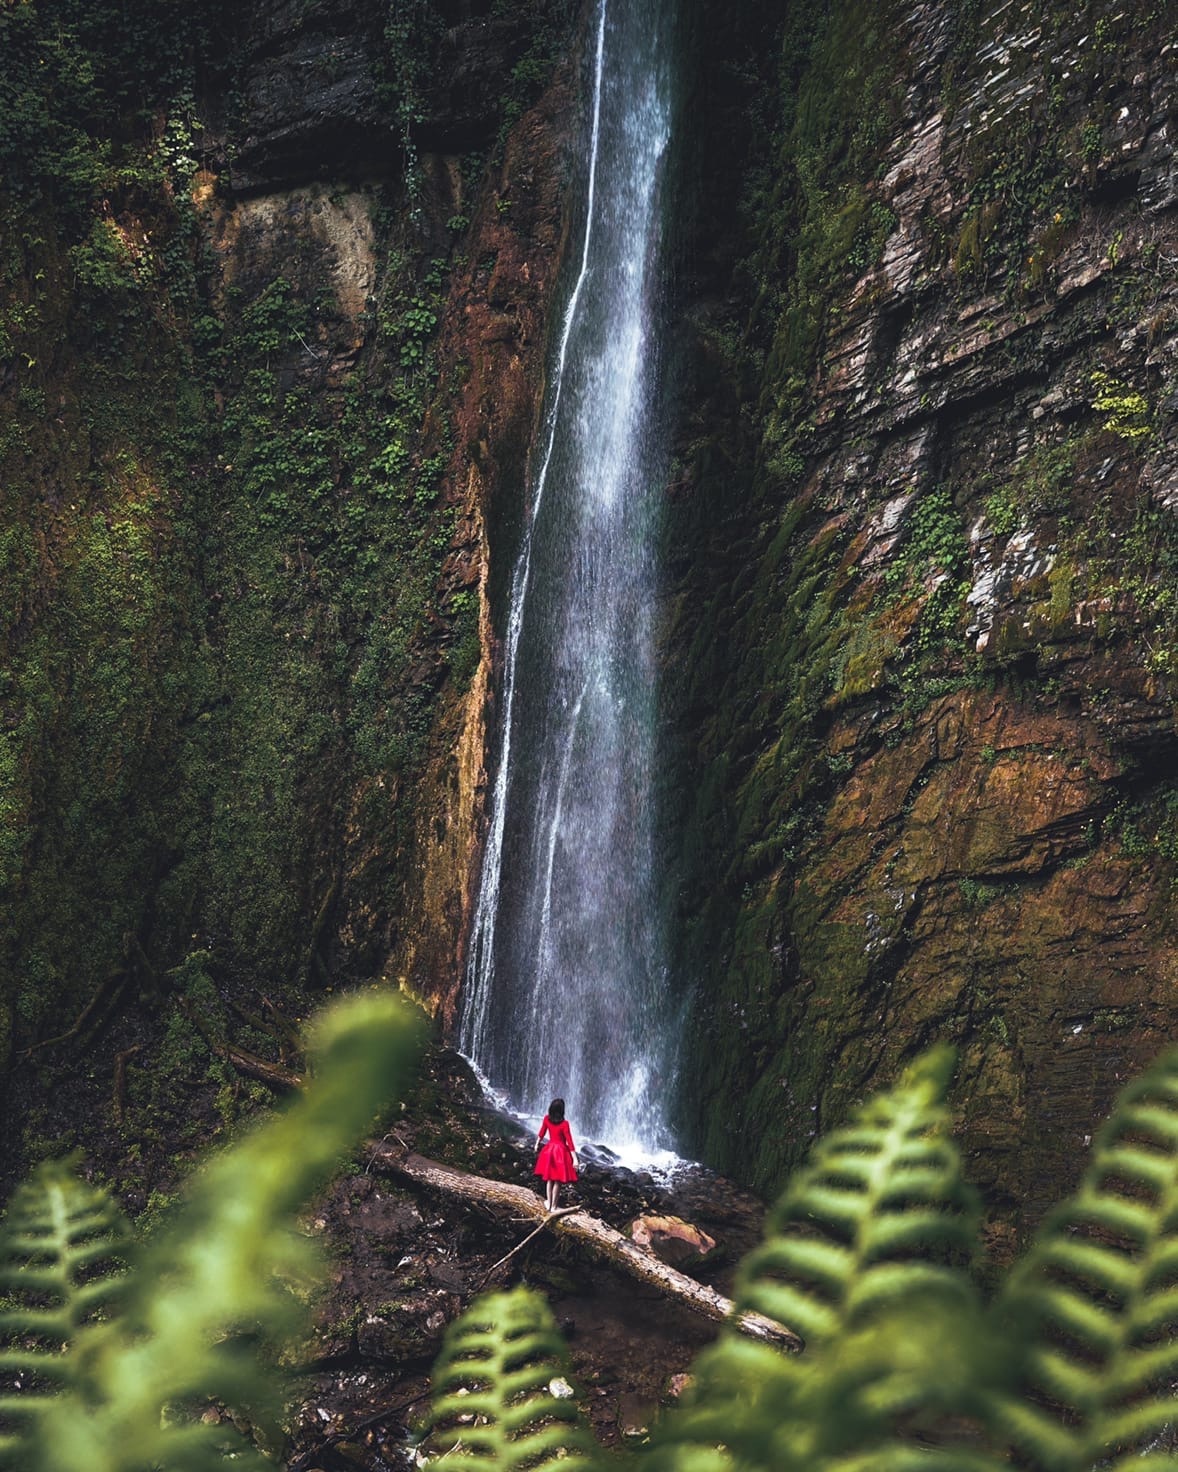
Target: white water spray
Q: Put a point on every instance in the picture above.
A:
(566, 991)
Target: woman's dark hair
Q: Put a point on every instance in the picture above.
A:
(556, 1111)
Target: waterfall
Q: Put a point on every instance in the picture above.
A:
(566, 989)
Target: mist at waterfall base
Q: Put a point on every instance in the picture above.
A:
(566, 991)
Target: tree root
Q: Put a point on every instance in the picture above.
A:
(110, 988)
(118, 1096)
(285, 1038)
(282, 1080)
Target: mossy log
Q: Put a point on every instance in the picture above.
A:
(584, 1230)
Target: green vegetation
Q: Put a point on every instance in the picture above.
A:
(1129, 414)
(492, 1406)
(818, 225)
(977, 894)
(114, 1361)
(869, 1253)
(822, 622)
(224, 629)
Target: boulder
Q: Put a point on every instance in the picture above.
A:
(675, 1241)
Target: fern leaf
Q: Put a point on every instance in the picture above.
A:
(492, 1406)
(805, 1311)
(58, 1229)
(226, 1264)
(1024, 1423)
(30, 1362)
(887, 1188)
(821, 1261)
(902, 1457)
(1150, 1167)
(1092, 1323)
(41, 1323)
(1158, 1311)
(1094, 1305)
(888, 1283)
(1104, 1268)
(1145, 1462)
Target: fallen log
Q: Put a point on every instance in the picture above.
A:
(586, 1230)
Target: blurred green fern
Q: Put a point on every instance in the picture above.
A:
(1093, 1308)
(868, 1252)
(224, 1275)
(60, 1265)
(865, 1255)
(493, 1405)
(878, 1213)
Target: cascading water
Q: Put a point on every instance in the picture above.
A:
(566, 990)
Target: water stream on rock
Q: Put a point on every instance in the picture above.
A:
(566, 990)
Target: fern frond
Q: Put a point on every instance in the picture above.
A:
(493, 1410)
(226, 1265)
(58, 1233)
(865, 1399)
(30, 1362)
(902, 1457)
(1094, 1304)
(62, 1251)
(877, 1212)
(863, 1256)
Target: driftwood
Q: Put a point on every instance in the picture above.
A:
(519, 1246)
(585, 1230)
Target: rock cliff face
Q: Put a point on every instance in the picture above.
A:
(336, 91)
(266, 377)
(271, 347)
(940, 755)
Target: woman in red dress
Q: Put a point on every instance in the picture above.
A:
(557, 1161)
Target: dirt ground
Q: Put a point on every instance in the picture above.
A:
(404, 1265)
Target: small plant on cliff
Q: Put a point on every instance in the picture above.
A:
(934, 542)
(1129, 414)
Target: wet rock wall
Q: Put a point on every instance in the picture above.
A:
(923, 631)
(262, 375)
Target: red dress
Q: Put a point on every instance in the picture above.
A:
(555, 1160)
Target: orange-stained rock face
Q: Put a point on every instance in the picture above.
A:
(930, 715)
(962, 888)
(491, 352)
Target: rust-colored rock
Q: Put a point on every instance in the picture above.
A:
(933, 715)
(672, 1239)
